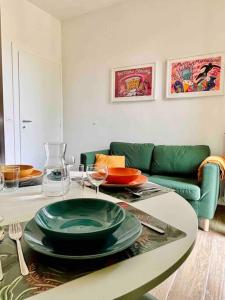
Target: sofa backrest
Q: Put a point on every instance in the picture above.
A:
(137, 155)
(180, 160)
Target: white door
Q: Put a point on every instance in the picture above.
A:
(40, 106)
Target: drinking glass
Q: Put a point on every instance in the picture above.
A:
(11, 177)
(76, 173)
(96, 175)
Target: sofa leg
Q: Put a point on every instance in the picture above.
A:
(203, 224)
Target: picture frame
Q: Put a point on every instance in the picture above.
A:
(133, 83)
(195, 76)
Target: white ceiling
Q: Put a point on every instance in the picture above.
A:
(65, 9)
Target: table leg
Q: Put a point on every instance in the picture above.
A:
(147, 297)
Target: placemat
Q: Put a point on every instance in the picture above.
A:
(31, 182)
(128, 196)
(47, 272)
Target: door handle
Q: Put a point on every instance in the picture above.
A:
(26, 121)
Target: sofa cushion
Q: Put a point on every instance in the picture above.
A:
(111, 161)
(137, 155)
(185, 187)
(178, 160)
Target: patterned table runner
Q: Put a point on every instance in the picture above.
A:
(47, 272)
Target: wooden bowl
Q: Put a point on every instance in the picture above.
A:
(122, 175)
(25, 171)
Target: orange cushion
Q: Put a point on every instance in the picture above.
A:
(111, 161)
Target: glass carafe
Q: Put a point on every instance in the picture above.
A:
(56, 179)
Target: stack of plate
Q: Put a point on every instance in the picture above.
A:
(124, 177)
(82, 229)
(27, 172)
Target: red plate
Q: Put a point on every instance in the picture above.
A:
(138, 181)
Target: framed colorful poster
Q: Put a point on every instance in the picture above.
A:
(195, 76)
(134, 83)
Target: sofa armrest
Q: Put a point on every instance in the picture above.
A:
(209, 190)
(88, 158)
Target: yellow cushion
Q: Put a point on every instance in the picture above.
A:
(111, 161)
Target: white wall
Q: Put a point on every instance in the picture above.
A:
(26, 27)
(137, 32)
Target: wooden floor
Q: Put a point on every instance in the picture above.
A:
(202, 276)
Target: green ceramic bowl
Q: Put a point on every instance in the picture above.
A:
(80, 219)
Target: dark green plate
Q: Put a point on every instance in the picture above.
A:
(79, 219)
(121, 239)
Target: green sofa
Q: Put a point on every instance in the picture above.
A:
(173, 167)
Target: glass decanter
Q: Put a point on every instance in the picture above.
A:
(56, 180)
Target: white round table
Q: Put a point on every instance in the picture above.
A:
(128, 279)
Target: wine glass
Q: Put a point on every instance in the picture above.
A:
(96, 175)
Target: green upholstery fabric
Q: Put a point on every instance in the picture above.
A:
(88, 158)
(186, 187)
(189, 188)
(178, 160)
(137, 155)
(210, 186)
